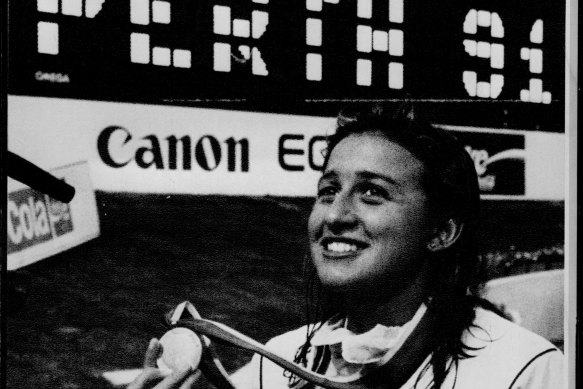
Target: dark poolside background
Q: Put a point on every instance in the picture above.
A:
(238, 259)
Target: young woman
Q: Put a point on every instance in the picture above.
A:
(393, 272)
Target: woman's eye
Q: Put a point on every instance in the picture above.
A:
(326, 193)
(373, 193)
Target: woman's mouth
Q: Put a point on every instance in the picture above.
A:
(339, 246)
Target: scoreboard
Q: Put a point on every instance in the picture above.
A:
(479, 63)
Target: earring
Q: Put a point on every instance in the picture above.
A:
(434, 244)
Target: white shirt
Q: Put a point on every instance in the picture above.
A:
(509, 357)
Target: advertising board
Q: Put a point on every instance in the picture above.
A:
(39, 226)
(168, 149)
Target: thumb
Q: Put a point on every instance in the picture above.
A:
(152, 353)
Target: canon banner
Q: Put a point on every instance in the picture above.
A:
(169, 149)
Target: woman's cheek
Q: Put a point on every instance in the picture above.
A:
(315, 223)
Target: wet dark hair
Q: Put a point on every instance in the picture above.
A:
(451, 184)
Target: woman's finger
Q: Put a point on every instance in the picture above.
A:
(174, 379)
(190, 380)
(152, 353)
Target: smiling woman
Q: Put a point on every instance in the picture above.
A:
(394, 269)
(371, 218)
(393, 279)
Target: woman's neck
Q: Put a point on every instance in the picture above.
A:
(386, 308)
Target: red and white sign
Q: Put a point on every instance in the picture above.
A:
(39, 226)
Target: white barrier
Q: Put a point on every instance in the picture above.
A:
(169, 149)
(537, 298)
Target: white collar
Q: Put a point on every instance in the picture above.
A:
(375, 346)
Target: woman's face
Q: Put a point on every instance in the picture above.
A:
(370, 225)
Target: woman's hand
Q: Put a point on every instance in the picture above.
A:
(180, 379)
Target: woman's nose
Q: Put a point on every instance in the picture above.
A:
(341, 213)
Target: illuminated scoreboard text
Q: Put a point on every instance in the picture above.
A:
(472, 62)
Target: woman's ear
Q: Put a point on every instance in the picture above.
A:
(445, 235)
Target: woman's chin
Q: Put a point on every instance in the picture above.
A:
(338, 281)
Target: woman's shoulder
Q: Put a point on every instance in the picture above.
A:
(491, 332)
(503, 354)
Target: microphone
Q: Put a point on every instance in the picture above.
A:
(29, 174)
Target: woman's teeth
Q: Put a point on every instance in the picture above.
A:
(340, 247)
